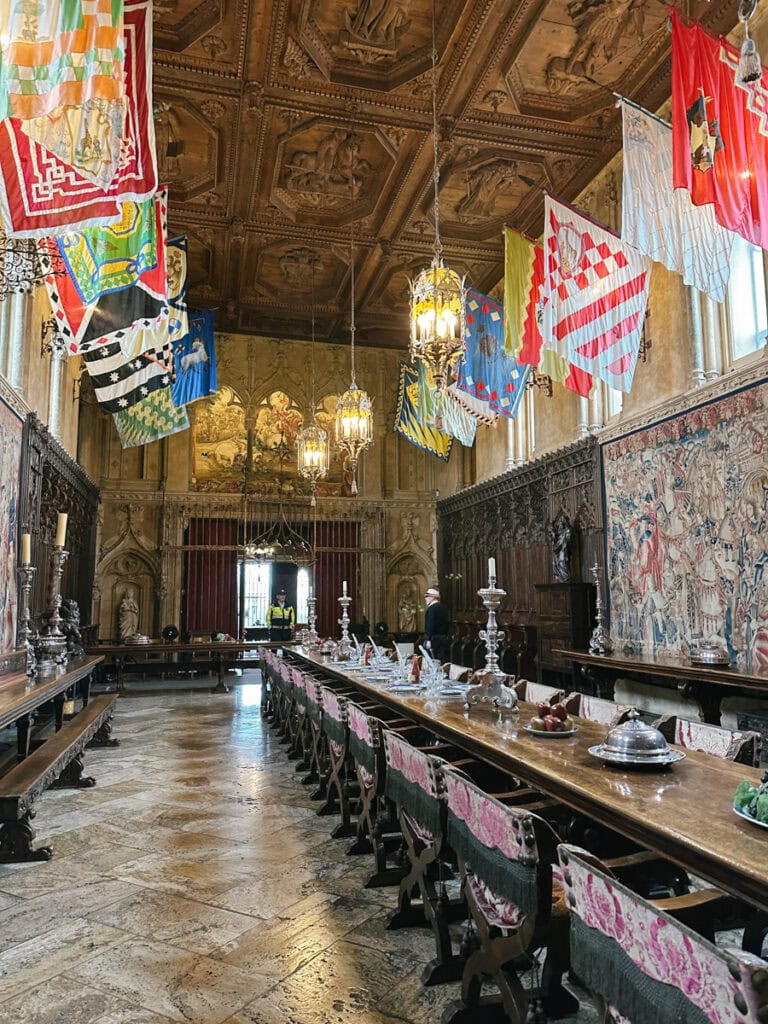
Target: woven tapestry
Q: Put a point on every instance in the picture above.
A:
(686, 504)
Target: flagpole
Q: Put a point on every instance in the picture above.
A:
(636, 106)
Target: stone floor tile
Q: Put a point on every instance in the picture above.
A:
(61, 1001)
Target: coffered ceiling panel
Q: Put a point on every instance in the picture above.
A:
(284, 126)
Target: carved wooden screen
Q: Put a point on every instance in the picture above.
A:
(52, 483)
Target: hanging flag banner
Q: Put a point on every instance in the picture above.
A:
(407, 422)
(595, 296)
(441, 409)
(117, 314)
(480, 412)
(194, 360)
(120, 382)
(59, 53)
(150, 419)
(661, 221)
(719, 133)
(487, 372)
(105, 259)
(172, 329)
(523, 303)
(73, 167)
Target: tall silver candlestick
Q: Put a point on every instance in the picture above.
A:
(51, 648)
(344, 647)
(490, 687)
(312, 638)
(26, 633)
(600, 641)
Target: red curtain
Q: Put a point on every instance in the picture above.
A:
(211, 592)
(337, 545)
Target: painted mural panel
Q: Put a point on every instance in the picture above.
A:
(687, 530)
(10, 466)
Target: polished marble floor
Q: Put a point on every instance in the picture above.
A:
(195, 883)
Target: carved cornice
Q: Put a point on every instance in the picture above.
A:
(12, 398)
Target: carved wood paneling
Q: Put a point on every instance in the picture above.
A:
(507, 518)
(52, 483)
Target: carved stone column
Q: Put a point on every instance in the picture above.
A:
(698, 376)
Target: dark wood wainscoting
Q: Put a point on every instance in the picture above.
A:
(507, 518)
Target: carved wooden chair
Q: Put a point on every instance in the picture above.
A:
(265, 664)
(299, 726)
(643, 966)
(596, 709)
(537, 693)
(457, 673)
(743, 747)
(317, 751)
(335, 727)
(506, 856)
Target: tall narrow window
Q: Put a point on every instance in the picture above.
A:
(747, 312)
(302, 595)
(257, 580)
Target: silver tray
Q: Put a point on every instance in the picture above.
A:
(708, 658)
(750, 819)
(556, 734)
(452, 691)
(628, 761)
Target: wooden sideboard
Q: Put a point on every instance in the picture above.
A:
(565, 612)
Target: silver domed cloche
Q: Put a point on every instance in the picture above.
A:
(635, 743)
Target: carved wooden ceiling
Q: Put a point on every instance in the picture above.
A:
(283, 124)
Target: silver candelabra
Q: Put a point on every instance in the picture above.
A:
(491, 688)
(344, 646)
(600, 642)
(26, 633)
(51, 648)
(313, 639)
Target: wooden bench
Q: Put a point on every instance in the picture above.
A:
(58, 762)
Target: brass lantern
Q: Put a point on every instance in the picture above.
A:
(312, 443)
(438, 295)
(354, 409)
(438, 320)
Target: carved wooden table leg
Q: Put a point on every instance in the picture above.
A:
(120, 671)
(72, 777)
(220, 664)
(84, 687)
(103, 736)
(706, 695)
(601, 681)
(58, 707)
(23, 735)
(16, 839)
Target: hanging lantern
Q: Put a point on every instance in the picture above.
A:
(438, 320)
(312, 444)
(354, 409)
(354, 426)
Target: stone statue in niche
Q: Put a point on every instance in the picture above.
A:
(560, 533)
(70, 625)
(406, 613)
(128, 615)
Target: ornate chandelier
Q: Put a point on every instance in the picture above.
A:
(354, 409)
(280, 543)
(312, 441)
(438, 295)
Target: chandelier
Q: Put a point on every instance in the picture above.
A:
(438, 295)
(312, 441)
(280, 543)
(354, 409)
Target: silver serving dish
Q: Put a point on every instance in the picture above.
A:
(708, 654)
(634, 743)
(137, 639)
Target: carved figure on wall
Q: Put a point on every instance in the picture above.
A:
(600, 26)
(406, 613)
(298, 267)
(483, 185)
(128, 615)
(560, 533)
(70, 626)
(378, 21)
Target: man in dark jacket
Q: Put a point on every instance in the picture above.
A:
(436, 626)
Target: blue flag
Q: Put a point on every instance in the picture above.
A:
(488, 372)
(194, 361)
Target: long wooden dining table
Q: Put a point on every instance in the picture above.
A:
(683, 812)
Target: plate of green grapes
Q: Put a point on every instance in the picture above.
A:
(751, 802)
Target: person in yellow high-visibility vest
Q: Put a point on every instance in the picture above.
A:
(281, 618)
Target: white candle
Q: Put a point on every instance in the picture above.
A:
(492, 567)
(26, 549)
(311, 592)
(344, 588)
(61, 530)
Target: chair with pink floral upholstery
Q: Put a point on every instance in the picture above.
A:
(506, 856)
(743, 747)
(537, 693)
(596, 709)
(413, 783)
(335, 728)
(645, 967)
(317, 751)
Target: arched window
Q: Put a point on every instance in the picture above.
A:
(257, 586)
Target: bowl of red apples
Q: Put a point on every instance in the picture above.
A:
(552, 721)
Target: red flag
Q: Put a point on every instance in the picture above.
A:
(719, 131)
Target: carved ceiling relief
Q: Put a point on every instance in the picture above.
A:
(187, 146)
